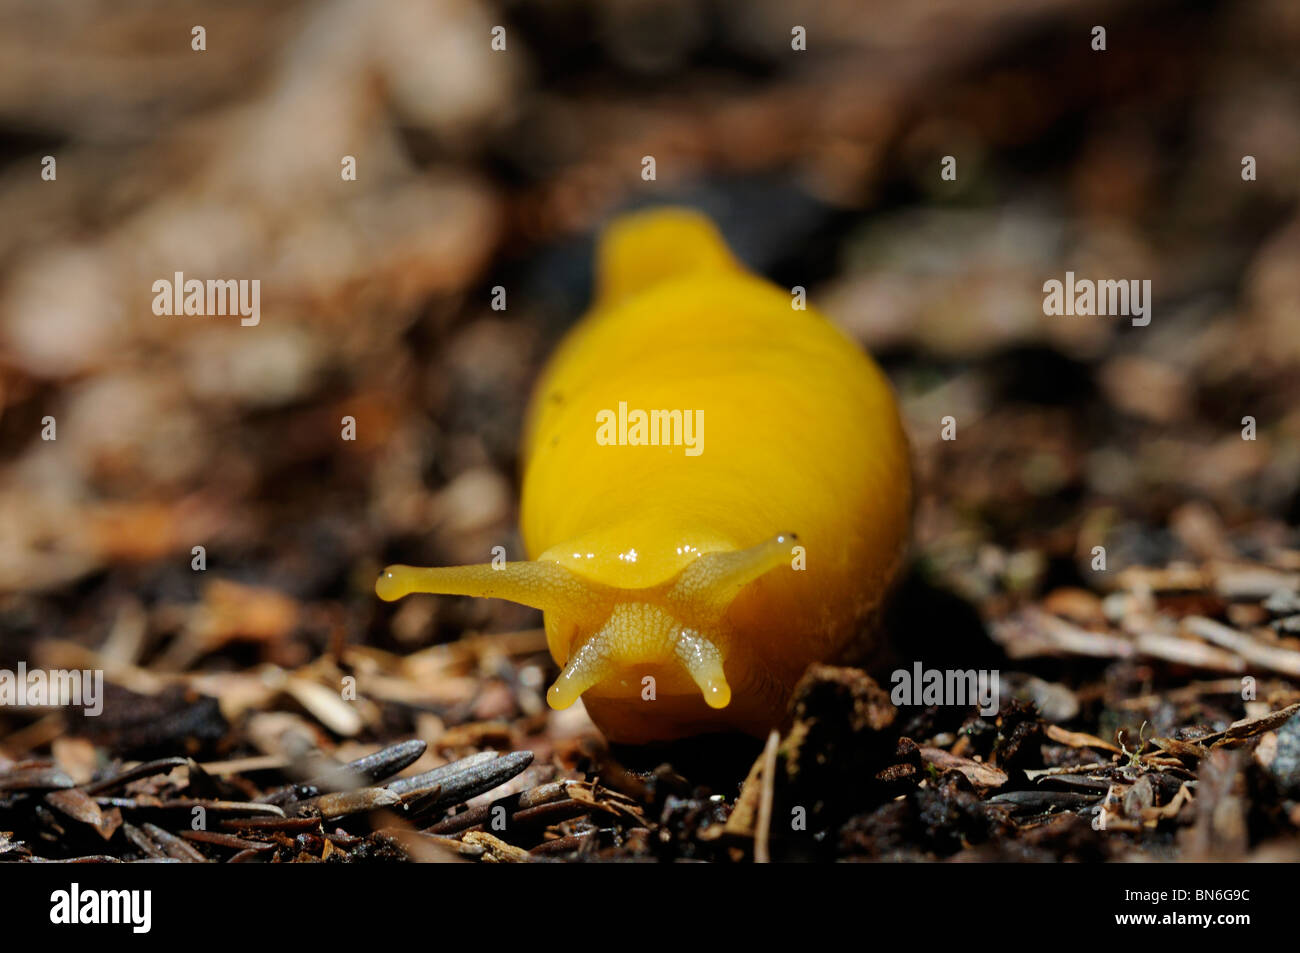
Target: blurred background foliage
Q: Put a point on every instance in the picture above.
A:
(479, 168)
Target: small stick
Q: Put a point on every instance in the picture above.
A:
(767, 795)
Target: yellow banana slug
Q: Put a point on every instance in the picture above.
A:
(716, 491)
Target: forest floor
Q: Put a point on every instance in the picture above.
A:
(1113, 530)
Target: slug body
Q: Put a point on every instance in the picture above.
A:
(716, 491)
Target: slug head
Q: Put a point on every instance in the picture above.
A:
(679, 625)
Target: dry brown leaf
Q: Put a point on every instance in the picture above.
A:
(983, 776)
(1079, 739)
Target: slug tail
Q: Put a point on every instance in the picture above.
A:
(641, 249)
(543, 585)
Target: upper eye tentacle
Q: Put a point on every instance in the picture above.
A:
(706, 587)
(541, 584)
